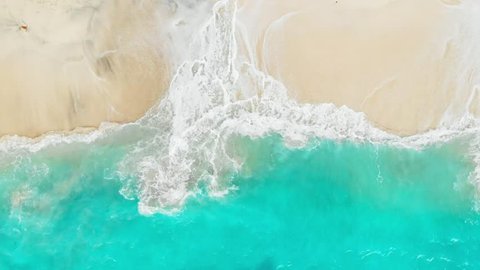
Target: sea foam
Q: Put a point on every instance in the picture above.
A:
(214, 94)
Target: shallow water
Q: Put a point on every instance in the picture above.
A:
(329, 205)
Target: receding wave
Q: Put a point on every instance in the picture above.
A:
(215, 94)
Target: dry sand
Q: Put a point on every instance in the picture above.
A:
(409, 65)
(67, 64)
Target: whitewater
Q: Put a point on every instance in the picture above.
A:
(215, 94)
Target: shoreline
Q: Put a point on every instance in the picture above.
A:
(188, 139)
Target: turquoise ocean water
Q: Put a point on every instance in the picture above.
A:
(330, 205)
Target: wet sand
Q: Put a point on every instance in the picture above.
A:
(68, 64)
(409, 65)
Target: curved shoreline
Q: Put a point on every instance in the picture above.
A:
(217, 92)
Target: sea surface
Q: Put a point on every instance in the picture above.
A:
(327, 205)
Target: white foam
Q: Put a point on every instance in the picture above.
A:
(185, 134)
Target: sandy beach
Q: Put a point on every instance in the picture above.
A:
(68, 64)
(409, 65)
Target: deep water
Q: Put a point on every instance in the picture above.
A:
(330, 205)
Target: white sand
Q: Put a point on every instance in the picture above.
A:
(67, 64)
(409, 65)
